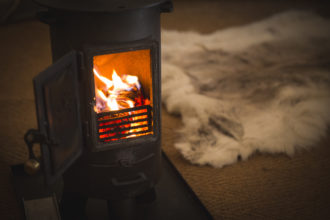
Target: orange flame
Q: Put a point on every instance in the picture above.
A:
(118, 93)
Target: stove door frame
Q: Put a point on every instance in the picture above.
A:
(90, 130)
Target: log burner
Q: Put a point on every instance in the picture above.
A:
(98, 105)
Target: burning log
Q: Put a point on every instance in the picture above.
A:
(119, 93)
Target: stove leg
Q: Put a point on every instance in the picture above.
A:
(72, 207)
(147, 197)
(122, 209)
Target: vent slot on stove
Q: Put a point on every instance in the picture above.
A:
(126, 123)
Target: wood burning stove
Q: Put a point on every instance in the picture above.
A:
(98, 105)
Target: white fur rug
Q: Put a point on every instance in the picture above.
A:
(260, 87)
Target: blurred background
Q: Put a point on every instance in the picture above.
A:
(193, 14)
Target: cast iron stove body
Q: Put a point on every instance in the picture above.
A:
(98, 105)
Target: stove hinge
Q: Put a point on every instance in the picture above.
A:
(81, 64)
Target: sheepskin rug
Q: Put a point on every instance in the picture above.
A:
(260, 87)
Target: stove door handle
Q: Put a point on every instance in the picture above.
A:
(49, 18)
(166, 6)
(141, 177)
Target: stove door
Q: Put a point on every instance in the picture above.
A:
(57, 100)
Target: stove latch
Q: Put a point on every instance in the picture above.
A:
(31, 137)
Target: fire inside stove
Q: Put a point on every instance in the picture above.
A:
(123, 95)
